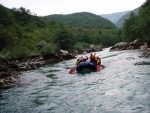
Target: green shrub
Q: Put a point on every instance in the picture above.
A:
(20, 52)
(81, 46)
(5, 56)
(49, 48)
(41, 44)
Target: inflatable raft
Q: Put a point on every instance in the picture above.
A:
(86, 67)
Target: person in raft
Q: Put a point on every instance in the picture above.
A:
(95, 59)
(98, 59)
(81, 59)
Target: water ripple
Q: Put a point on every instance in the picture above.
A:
(122, 86)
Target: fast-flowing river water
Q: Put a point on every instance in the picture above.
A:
(123, 86)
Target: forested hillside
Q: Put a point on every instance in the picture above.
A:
(83, 19)
(23, 34)
(138, 26)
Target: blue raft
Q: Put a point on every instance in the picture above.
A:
(86, 67)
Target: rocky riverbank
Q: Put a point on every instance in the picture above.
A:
(9, 70)
(136, 44)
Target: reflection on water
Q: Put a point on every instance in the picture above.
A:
(122, 86)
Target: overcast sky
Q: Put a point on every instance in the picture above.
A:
(47, 7)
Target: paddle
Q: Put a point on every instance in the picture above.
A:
(97, 67)
(72, 70)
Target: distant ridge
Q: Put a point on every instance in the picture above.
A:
(82, 19)
(126, 16)
(114, 17)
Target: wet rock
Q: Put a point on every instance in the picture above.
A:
(68, 56)
(40, 63)
(94, 48)
(48, 56)
(120, 46)
(14, 64)
(89, 50)
(136, 44)
(64, 55)
(98, 48)
(64, 52)
(4, 74)
(3, 68)
(24, 66)
(1, 82)
(32, 66)
(145, 49)
(7, 82)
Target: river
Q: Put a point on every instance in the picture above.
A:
(123, 86)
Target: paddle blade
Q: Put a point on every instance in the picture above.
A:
(71, 70)
(98, 68)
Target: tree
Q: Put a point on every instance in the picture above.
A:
(64, 39)
(130, 28)
(138, 27)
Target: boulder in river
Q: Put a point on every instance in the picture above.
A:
(145, 49)
(94, 48)
(64, 52)
(126, 45)
(120, 46)
(134, 44)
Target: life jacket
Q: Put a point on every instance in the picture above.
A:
(93, 58)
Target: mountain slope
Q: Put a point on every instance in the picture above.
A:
(138, 26)
(83, 19)
(114, 17)
(126, 16)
